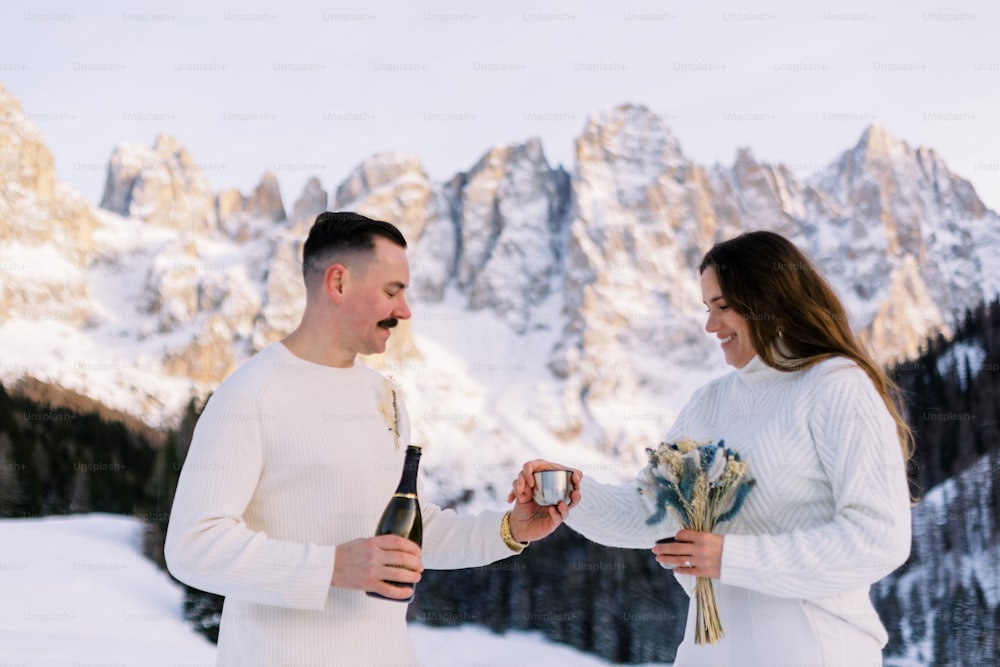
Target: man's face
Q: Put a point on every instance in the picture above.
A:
(374, 298)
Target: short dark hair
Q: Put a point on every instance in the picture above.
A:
(343, 232)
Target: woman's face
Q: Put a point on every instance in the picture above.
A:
(727, 325)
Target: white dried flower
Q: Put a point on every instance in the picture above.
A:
(390, 407)
(695, 456)
(666, 471)
(718, 467)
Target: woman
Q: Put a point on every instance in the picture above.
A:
(815, 417)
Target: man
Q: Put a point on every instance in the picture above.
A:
(292, 462)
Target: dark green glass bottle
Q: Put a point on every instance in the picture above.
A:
(402, 514)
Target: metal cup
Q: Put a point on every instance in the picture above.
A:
(551, 486)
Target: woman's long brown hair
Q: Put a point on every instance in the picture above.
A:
(795, 318)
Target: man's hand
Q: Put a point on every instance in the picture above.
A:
(530, 521)
(367, 564)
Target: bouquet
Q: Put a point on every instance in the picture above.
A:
(701, 484)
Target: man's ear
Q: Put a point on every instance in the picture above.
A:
(335, 280)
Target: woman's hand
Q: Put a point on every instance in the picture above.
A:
(691, 552)
(523, 488)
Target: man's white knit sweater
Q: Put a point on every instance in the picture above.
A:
(830, 513)
(289, 459)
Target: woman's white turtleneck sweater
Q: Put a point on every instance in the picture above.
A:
(830, 513)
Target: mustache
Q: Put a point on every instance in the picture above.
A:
(388, 323)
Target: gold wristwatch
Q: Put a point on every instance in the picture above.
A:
(508, 537)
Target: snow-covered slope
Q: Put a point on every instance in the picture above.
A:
(76, 591)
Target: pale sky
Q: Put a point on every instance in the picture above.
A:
(313, 88)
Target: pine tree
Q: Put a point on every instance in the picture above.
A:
(11, 493)
(917, 617)
(203, 611)
(946, 651)
(891, 613)
(982, 633)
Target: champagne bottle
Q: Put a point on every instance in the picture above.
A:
(402, 513)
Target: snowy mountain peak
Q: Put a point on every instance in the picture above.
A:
(25, 160)
(512, 207)
(629, 133)
(310, 203)
(375, 171)
(161, 185)
(265, 202)
(46, 232)
(243, 218)
(744, 159)
(880, 161)
(895, 202)
(389, 186)
(529, 152)
(9, 102)
(878, 145)
(167, 146)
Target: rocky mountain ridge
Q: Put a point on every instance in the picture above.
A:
(168, 286)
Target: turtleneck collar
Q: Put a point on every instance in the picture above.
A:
(757, 371)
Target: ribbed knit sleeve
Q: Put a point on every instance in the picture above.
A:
(868, 535)
(453, 541)
(614, 515)
(208, 544)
